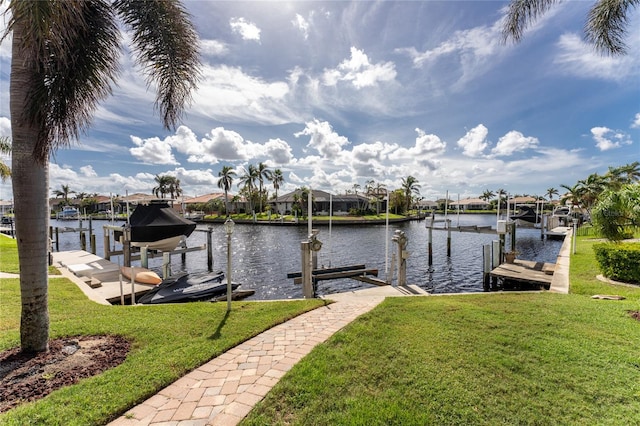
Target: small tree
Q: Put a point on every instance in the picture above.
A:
(617, 212)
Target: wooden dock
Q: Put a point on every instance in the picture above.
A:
(526, 272)
(97, 277)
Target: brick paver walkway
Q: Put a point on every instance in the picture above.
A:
(224, 390)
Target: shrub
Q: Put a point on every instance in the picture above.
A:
(620, 262)
(617, 212)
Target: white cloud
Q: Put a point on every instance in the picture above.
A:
(247, 30)
(213, 48)
(323, 139)
(476, 49)
(152, 151)
(513, 141)
(475, 141)
(359, 71)
(423, 152)
(607, 139)
(87, 171)
(302, 24)
(222, 144)
(279, 151)
(195, 177)
(578, 58)
(227, 93)
(636, 122)
(62, 174)
(5, 126)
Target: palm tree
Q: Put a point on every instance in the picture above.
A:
(591, 188)
(619, 176)
(487, 195)
(226, 180)
(174, 188)
(65, 61)
(5, 148)
(605, 27)
(64, 192)
(262, 173)
(616, 212)
(573, 194)
(277, 179)
(163, 182)
(248, 181)
(551, 192)
(410, 186)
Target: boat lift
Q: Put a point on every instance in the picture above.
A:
(311, 274)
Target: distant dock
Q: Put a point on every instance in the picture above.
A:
(526, 272)
(98, 278)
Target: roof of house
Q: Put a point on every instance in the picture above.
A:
(206, 198)
(470, 201)
(321, 196)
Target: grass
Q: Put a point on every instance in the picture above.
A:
(489, 359)
(9, 257)
(167, 341)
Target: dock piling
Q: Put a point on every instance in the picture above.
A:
(209, 249)
(486, 266)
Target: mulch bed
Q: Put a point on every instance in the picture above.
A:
(28, 377)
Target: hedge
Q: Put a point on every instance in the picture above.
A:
(620, 262)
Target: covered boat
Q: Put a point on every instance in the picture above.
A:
(187, 287)
(158, 227)
(526, 214)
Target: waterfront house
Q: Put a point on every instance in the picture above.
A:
(341, 204)
(469, 204)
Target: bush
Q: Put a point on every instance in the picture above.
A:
(620, 262)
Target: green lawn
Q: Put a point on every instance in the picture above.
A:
(167, 341)
(489, 359)
(499, 358)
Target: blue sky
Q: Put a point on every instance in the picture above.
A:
(337, 93)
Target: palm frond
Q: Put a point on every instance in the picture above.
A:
(70, 49)
(606, 25)
(5, 145)
(521, 14)
(166, 46)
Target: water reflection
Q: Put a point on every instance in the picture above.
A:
(263, 255)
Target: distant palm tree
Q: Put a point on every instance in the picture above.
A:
(64, 192)
(619, 176)
(163, 184)
(226, 180)
(356, 187)
(248, 180)
(277, 179)
(262, 172)
(378, 191)
(174, 187)
(551, 192)
(65, 59)
(605, 27)
(487, 195)
(5, 148)
(410, 186)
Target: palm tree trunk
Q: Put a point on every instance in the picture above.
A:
(30, 192)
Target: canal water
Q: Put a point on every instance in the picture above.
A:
(263, 255)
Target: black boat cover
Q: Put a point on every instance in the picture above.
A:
(527, 214)
(188, 288)
(158, 221)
